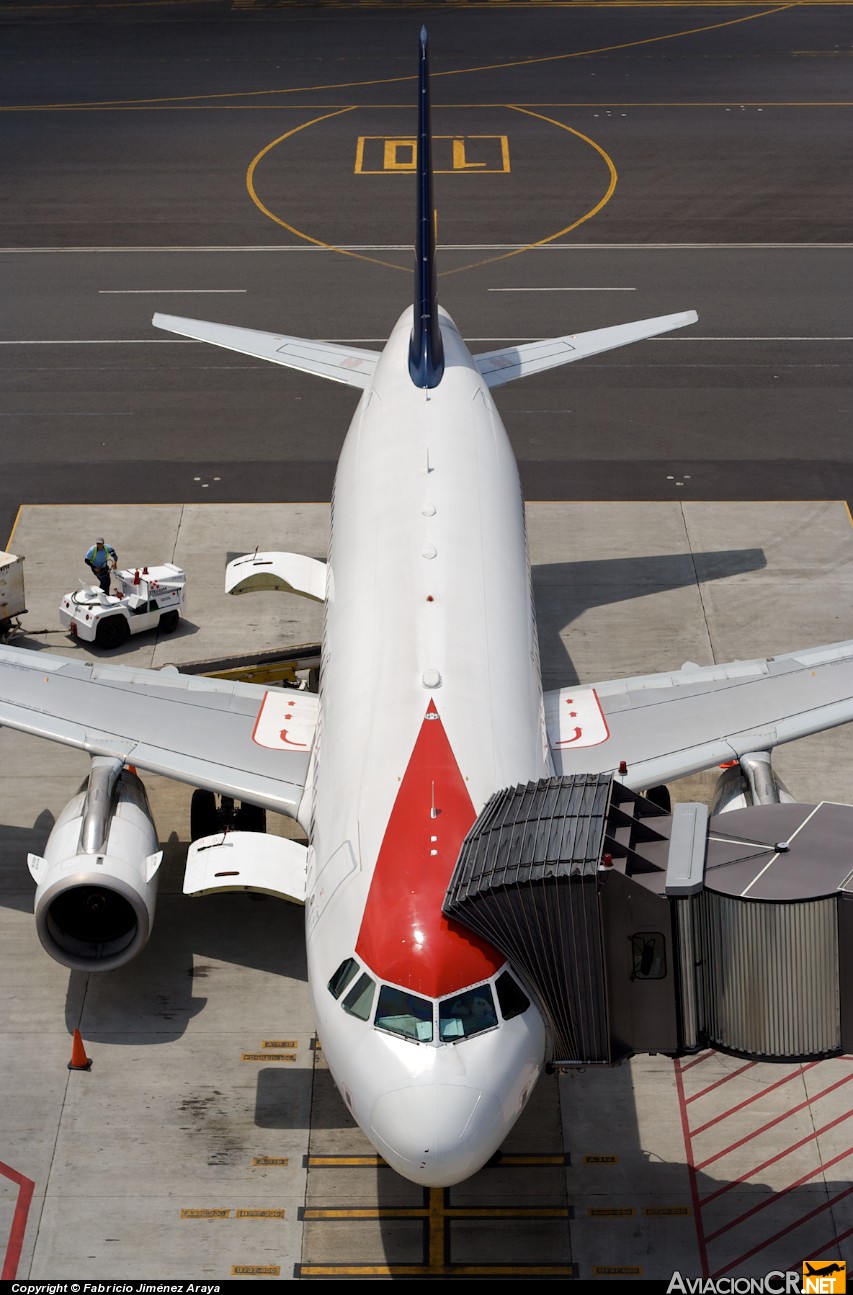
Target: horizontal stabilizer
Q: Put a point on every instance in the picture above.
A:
(348, 364)
(514, 362)
(288, 573)
(265, 864)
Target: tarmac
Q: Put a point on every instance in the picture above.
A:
(207, 1140)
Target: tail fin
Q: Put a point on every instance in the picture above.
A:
(426, 353)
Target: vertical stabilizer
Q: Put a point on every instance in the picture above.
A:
(426, 353)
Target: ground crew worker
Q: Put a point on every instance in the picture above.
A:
(101, 558)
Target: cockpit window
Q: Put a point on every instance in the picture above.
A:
(467, 1013)
(404, 1013)
(511, 996)
(342, 977)
(359, 1000)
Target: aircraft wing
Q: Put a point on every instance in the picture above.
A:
(234, 738)
(514, 362)
(348, 364)
(669, 725)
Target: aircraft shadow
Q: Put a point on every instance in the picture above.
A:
(211, 940)
(17, 887)
(551, 1208)
(563, 591)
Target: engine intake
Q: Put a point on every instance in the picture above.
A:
(97, 881)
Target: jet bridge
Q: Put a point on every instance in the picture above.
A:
(644, 931)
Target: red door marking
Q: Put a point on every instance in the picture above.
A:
(405, 938)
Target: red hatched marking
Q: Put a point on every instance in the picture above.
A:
(756, 1243)
(772, 1160)
(697, 1061)
(719, 1082)
(795, 1074)
(26, 1187)
(777, 1196)
(783, 1232)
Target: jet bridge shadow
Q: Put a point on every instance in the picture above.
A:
(564, 591)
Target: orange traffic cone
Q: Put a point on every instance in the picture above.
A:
(79, 1060)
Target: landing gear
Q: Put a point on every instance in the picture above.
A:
(251, 818)
(209, 816)
(204, 816)
(660, 796)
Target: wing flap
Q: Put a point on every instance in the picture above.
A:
(498, 367)
(195, 730)
(348, 364)
(669, 725)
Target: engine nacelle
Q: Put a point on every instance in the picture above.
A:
(97, 882)
(751, 781)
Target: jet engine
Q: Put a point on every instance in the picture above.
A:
(752, 780)
(97, 882)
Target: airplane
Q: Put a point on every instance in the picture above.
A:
(430, 701)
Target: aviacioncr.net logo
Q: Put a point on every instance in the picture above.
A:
(772, 1283)
(824, 1277)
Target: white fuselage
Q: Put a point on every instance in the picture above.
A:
(429, 618)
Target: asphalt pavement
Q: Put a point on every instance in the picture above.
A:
(247, 163)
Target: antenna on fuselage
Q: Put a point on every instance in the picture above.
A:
(426, 352)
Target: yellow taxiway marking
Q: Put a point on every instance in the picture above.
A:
(267, 1056)
(438, 1270)
(513, 1160)
(259, 1214)
(398, 80)
(436, 1211)
(250, 185)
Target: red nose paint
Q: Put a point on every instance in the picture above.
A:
(405, 938)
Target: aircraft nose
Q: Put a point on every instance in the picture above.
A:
(436, 1135)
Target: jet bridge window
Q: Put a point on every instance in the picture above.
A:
(403, 1013)
(359, 1000)
(342, 977)
(467, 1013)
(648, 951)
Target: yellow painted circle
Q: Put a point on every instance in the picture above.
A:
(317, 242)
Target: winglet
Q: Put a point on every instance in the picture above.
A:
(426, 353)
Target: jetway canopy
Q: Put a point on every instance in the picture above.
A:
(644, 931)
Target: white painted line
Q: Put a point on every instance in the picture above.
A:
(159, 292)
(452, 247)
(760, 874)
(561, 289)
(73, 413)
(361, 341)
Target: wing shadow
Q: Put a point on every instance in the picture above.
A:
(563, 591)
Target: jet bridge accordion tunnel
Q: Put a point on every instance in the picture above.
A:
(643, 931)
